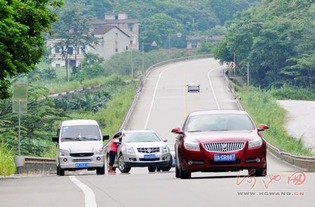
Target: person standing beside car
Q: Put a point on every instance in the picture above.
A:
(113, 147)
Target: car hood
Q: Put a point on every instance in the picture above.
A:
(84, 146)
(145, 144)
(224, 136)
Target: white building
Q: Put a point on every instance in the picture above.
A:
(115, 34)
(111, 40)
(75, 55)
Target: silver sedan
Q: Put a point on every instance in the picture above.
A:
(193, 87)
(142, 148)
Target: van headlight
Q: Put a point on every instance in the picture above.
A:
(193, 146)
(98, 151)
(255, 143)
(165, 149)
(63, 152)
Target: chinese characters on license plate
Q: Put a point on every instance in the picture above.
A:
(81, 165)
(149, 156)
(224, 157)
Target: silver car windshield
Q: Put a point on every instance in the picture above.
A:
(80, 133)
(141, 137)
(219, 122)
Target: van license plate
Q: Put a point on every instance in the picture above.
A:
(81, 165)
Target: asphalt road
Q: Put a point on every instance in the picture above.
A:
(163, 105)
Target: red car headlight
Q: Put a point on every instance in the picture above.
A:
(255, 143)
(193, 146)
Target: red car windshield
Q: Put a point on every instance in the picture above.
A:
(219, 122)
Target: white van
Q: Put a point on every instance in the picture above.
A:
(80, 146)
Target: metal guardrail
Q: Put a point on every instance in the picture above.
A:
(38, 165)
(306, 163)
(26, 164)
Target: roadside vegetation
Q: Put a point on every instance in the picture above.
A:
(100, 91)
(273, 47)
(262, 106)
(7, 166)
(272, 42)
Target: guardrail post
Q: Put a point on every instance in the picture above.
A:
(19, 162)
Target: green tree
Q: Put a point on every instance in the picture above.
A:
(73, 31)
(276, 39)
(22, 24)
(91, 67)
(35, 124)
(158, 28)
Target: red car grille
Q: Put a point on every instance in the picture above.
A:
(224, 146)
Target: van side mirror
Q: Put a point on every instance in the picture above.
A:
(55, 139)
(105, 137)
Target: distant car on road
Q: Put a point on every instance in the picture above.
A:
(142, 148)
(193, 87)
(219, 141)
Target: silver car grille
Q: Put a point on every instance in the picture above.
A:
(148, 149)
(81, 160)
(224, 146)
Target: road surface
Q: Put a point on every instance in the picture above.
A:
(163, 105)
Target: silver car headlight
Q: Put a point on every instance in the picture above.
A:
(165, 149)
(98, 151)
(130, 150)
(63, 152)
(193, 146)
(255, 143)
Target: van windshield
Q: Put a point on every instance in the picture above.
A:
(80, 133)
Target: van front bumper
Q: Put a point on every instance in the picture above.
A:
(78, 163)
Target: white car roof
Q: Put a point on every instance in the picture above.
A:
(76, 122)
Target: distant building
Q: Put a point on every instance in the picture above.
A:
(194, 42)
(115, 34)
(121, 21)
(111, 40)
(75, 56)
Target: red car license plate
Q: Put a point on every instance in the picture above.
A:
(224, 157)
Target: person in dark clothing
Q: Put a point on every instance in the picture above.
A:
(113, 147)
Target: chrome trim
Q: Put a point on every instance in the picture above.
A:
(223, 146)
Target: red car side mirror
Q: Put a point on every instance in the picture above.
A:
(263, 127)
(177, 131)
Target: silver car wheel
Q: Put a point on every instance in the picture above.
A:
(122, 165)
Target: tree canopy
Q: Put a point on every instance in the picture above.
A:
(22, 24)
(192, 17)
(72, 29)
(276, 39)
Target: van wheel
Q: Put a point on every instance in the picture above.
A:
(107, 161)
(100, 171)
(60, 171)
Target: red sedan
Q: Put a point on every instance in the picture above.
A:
(220, 141)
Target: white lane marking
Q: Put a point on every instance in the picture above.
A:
(152, 101)
(211, 86)
(88, 193)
